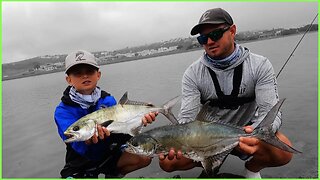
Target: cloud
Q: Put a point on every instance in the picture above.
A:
(42, 28)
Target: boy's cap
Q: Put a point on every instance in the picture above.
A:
(80, 57)
(213, 16)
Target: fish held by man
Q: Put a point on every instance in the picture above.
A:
(205, 140)
(125, 117)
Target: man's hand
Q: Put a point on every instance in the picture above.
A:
(248, 145)
(264, 154)
(149, 118)
(171, 155)
(176, 161)
(102, 133)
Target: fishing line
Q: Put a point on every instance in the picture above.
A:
(297, 45)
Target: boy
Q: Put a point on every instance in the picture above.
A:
(95, 156)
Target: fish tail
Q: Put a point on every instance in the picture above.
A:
(167, 107)
(265, 133)
(269, 137)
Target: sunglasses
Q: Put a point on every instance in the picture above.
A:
(214, 35)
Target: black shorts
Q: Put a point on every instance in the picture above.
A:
(81, 167)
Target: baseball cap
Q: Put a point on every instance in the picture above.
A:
(213, 16)
(80, 57)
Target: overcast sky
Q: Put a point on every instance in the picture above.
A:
(31, 29)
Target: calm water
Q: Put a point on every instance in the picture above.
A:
(32, 147)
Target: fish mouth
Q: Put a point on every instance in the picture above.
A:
(71, 137)
(136, 150)
(129, 148)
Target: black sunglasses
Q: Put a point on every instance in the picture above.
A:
(214, 35)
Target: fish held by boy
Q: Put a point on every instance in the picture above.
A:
(125, 117)
(205, 139)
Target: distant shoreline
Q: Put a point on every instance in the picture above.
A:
(37, 73)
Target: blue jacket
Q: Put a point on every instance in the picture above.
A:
(67, 112)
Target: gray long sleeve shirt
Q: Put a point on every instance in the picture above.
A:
(258, 79)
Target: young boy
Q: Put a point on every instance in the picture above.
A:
(95, 156)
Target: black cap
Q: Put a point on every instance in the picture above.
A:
(213, 16)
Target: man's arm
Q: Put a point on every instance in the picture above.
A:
(191, 98)
(266, 92)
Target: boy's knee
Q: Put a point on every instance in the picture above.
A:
(144, 161)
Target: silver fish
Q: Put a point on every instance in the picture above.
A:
(206, 140)
(125, 117)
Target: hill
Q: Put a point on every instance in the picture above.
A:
(54, 63)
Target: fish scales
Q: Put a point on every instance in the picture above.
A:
(195, 136)
(206, 139)
(125, 117)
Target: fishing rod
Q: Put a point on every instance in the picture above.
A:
(297, 45)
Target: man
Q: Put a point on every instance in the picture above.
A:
(229, 75)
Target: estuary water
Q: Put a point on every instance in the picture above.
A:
(31, 147)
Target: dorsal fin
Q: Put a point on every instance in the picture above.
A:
(209, 115)
(240, 116)
(124, 99)
(139, 103)
(205, 111)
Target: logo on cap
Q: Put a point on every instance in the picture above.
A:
(79, 56)
(205, 16)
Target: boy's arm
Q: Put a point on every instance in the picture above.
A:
(63, 119)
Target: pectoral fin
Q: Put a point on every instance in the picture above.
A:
(213, 163)
(107, 123)
(136, 131)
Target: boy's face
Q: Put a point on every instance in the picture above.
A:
(83, 78)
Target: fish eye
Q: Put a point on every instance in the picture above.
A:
(76, 128)
(134, 143)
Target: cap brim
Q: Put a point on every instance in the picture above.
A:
(196, 29)
(87, 63)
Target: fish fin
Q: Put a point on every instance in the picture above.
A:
(129, 102)
(264, 130)
(269, 118)
(207, 113)
(167, 107)
(237, 117)
(135, 131)
(269, 137)
(213, 163)
(107, 123)
(123, 100)
(244, 114)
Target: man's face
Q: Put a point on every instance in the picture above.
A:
(222, 47)
(84, 78)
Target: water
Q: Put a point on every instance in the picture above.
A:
(33, 149)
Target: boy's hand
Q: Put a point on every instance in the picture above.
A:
(149, 118)
(102, 133)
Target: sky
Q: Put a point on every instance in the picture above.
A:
(31, 29)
